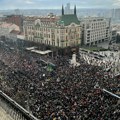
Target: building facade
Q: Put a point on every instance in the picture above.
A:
(60, 31)
(113, 36)
(67, 8)
(15, 19)
(6, 28)
(95, 30)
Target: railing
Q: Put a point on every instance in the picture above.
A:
(114, 95)
(12, 108)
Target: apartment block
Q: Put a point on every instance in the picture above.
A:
(95, 30)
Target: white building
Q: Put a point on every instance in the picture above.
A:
(95, 30)
(67, 8)
(113, 35)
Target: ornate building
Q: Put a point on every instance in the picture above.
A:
(60, 31)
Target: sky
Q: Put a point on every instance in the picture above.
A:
(56, 4)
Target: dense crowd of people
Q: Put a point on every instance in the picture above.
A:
(64, 93)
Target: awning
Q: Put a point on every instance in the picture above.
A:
(41, 52)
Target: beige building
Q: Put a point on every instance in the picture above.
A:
(95, 30)
(61, 31)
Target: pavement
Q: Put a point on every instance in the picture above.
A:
(104, 44)
(4, 115)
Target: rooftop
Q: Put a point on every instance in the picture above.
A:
(6, 25)
(15, 32)
(69, 18)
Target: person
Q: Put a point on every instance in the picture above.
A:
(69, 94)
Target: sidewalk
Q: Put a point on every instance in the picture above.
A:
(104, 44)
(4, 115)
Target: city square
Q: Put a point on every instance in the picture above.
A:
(59, 65)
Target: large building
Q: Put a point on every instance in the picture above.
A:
(60, 31)
(6, 28)
(113, 35)
(15, 19)
(67, 8)
(95, 30)
(117, 14)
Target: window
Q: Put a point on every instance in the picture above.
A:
(66, 37)
(66, 30)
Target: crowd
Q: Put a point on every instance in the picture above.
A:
(65, 93)
(108, 61)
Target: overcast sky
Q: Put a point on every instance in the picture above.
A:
(53, 4)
